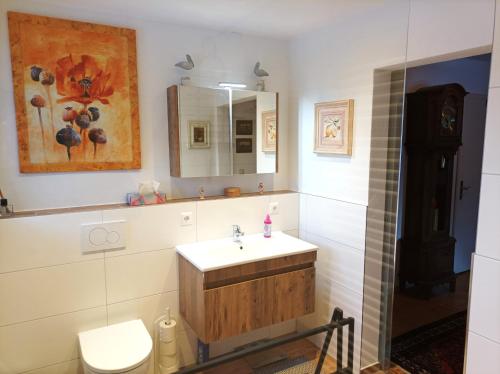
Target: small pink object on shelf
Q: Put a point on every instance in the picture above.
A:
(267, 226)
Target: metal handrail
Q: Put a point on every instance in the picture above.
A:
(337, 322)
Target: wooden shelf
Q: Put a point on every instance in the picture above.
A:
(91, 208)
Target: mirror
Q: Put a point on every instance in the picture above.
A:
(222, 132)
(254, 121)
(204, 140)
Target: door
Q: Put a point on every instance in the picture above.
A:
(468, 180)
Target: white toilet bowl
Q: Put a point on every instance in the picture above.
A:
(122, 348)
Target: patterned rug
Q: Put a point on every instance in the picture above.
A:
(437, 348)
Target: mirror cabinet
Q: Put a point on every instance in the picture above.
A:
(222, 132)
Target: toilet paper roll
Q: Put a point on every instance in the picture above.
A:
(166, 363)
(169, 348)
(167, 330)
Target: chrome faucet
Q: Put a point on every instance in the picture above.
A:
(237, 234)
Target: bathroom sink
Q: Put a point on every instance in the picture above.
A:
(221, 253)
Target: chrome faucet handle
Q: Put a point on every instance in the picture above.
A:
(237, 231)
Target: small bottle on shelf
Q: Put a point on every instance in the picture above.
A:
(267, 226)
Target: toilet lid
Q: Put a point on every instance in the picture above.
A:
(116, 348)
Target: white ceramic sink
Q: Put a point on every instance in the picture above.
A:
(221, 253)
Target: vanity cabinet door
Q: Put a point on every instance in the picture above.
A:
(238, 308)
(293, 294)
(246, 306)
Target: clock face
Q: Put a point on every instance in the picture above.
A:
(448, 118)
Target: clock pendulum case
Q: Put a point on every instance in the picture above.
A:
(434, 131)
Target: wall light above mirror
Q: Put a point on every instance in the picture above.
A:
(222, 131)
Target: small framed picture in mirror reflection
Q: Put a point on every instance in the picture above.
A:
(244, 145)
(269, 131)
(199, 134)
(244, 127)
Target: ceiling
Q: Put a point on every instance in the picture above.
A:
(276, 18)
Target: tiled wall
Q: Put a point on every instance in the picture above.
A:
(483, 338)
(49, 291)
(338, 228)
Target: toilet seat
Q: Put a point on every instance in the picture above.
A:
(116, 348)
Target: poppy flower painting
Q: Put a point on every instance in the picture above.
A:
(75, 87)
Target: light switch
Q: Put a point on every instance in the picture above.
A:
(274, 208)
(103, 236)
(186, 218)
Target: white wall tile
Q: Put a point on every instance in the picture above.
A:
(488, 235)
(141, 274)
(283, 328)
(46, 341)
(495, 56)
(30, 242)
(340, 264)
(339, 221)
(187, 344)
(329, 296)
(294, 233)
(303, 212)
(227, 345)
(68, 367)
(148, 309)
(44, 292)
(216, 217)
(485, 299)
(491, 154)
(288, 214)
(154, 227)
(483, 355)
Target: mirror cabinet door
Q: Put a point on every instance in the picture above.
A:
(205, 147)
(254, 132)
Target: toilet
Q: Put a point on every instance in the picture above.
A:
(121, 348)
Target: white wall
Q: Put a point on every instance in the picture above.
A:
(219, 56)
(338, 62)
(483, 338)
(449, 29)
(49, 291)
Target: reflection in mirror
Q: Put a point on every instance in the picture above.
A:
(255, 132)
(204, 137)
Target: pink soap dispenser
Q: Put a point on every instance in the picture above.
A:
(267, 226)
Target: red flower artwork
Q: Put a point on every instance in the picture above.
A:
(83, 82)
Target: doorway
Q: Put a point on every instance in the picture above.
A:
(430, 304)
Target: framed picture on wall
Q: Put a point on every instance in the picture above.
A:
(244, 145)
(75, 91)
(333, 127)
(199, 134)
(269, 131)
(244, 127)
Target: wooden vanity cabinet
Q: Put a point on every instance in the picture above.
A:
(226, 302)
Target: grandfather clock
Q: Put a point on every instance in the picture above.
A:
(434, 131)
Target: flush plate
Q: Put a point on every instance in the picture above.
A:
(103, 236)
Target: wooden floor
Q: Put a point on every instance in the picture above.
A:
(411, 312)
(292, 350)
